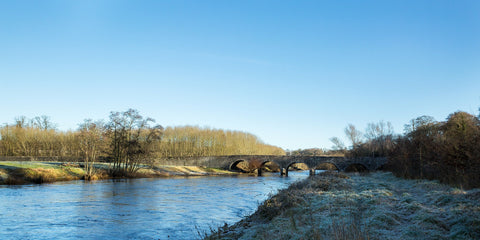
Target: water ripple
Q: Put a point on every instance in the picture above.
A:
(131, 208)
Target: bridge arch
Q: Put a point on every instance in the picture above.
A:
(291, 164)
(234, 165)
(356, 167)
(264, 163)
(327, 166)
(254, 164)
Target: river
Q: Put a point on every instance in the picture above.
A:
(171, 208)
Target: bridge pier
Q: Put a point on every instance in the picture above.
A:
(283, 172)
(312, 172)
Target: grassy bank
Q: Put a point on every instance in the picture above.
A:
(373, 206)
(24, 172)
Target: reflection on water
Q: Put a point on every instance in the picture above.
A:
(132, 208)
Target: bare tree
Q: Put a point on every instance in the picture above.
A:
(44, 122)
(379, 137)
(354, 135)
(132, 140)
(418, 122)
(377, 130)
(90, 136)
(21, 121)
(338, 144)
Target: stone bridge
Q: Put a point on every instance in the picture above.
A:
(283, 162)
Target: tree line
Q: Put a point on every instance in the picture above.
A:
(314, 152)
(191, 141)
(448, 151)
(126, 140)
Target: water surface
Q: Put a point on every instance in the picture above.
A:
(174, 208)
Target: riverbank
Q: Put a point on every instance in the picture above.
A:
(28, 172)
(371, 206)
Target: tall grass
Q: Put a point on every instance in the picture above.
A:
(38, 175)
(285, 206)
(348, 229)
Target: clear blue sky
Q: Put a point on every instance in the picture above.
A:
(294, 73)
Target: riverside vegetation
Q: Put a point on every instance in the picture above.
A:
(128, 141)
(370, 206)
(27, 172)
(448, 151)
(39, 137)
